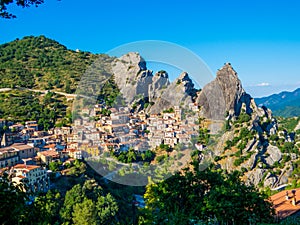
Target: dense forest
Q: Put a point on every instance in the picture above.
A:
(42, 63)
(48, 109)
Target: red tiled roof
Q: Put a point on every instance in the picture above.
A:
(32, 125)
(26, 167)
(283, 207)
(21, 146)
(49, 153)
(50, 146)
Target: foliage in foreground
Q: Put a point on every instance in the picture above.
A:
(189, 197)
(83, 204)
(194, 197)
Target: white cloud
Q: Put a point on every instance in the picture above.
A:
(264, 84)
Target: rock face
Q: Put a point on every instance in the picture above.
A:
(159, 81)
(274, 153)
(133, 79)
(297, 127)
(270, 180)
(224, 94)
(249, 126)
(259, 155)
(287, 172)
(131, 76)
(255, 176)
(179, 92)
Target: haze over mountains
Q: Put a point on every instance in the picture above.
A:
(285, 104)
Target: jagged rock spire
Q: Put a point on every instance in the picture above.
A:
(224, 94)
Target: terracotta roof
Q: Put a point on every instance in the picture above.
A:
(32, 124)
(110, 144)
(73, 150)
(7, 149)
(49, 153)
(26, 167)
(283, 207)
(17, 125)
(50, 146)
(69, 160)
(21, 147)
(113, 110)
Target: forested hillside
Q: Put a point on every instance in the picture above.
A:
(285, 104)
(42, 63)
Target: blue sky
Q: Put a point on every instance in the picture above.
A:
(261, 39)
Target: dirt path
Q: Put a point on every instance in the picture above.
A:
(37, 90)
(5, 89)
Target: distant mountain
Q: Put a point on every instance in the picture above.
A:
(285, 104)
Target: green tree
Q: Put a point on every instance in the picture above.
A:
(87, 204)
(23, 3)
(68, 87)
(204, 196)
(78, 169)
(107, 208)
(46, 208)
(54, 166)
(131, 156)
(84, 213)
(73, 196)
(13, 209)
(235, 201)
(288, 147)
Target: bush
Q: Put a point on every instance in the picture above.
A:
(243, 118)
(161, 158)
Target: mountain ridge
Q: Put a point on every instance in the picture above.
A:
(285, 104)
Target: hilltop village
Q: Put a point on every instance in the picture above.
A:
(26, 152)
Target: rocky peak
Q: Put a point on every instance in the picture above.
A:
(131, 75)
(185, 83)
(224, 94)
(134, 59)
(231, 86)
(133, 79)
(227, 70)
(179, 92)
(162, 74)
(160, 81)
(184, 77)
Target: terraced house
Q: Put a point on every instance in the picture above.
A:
(8, 157)
(34, 177)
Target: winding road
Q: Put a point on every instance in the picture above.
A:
(37, 90)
